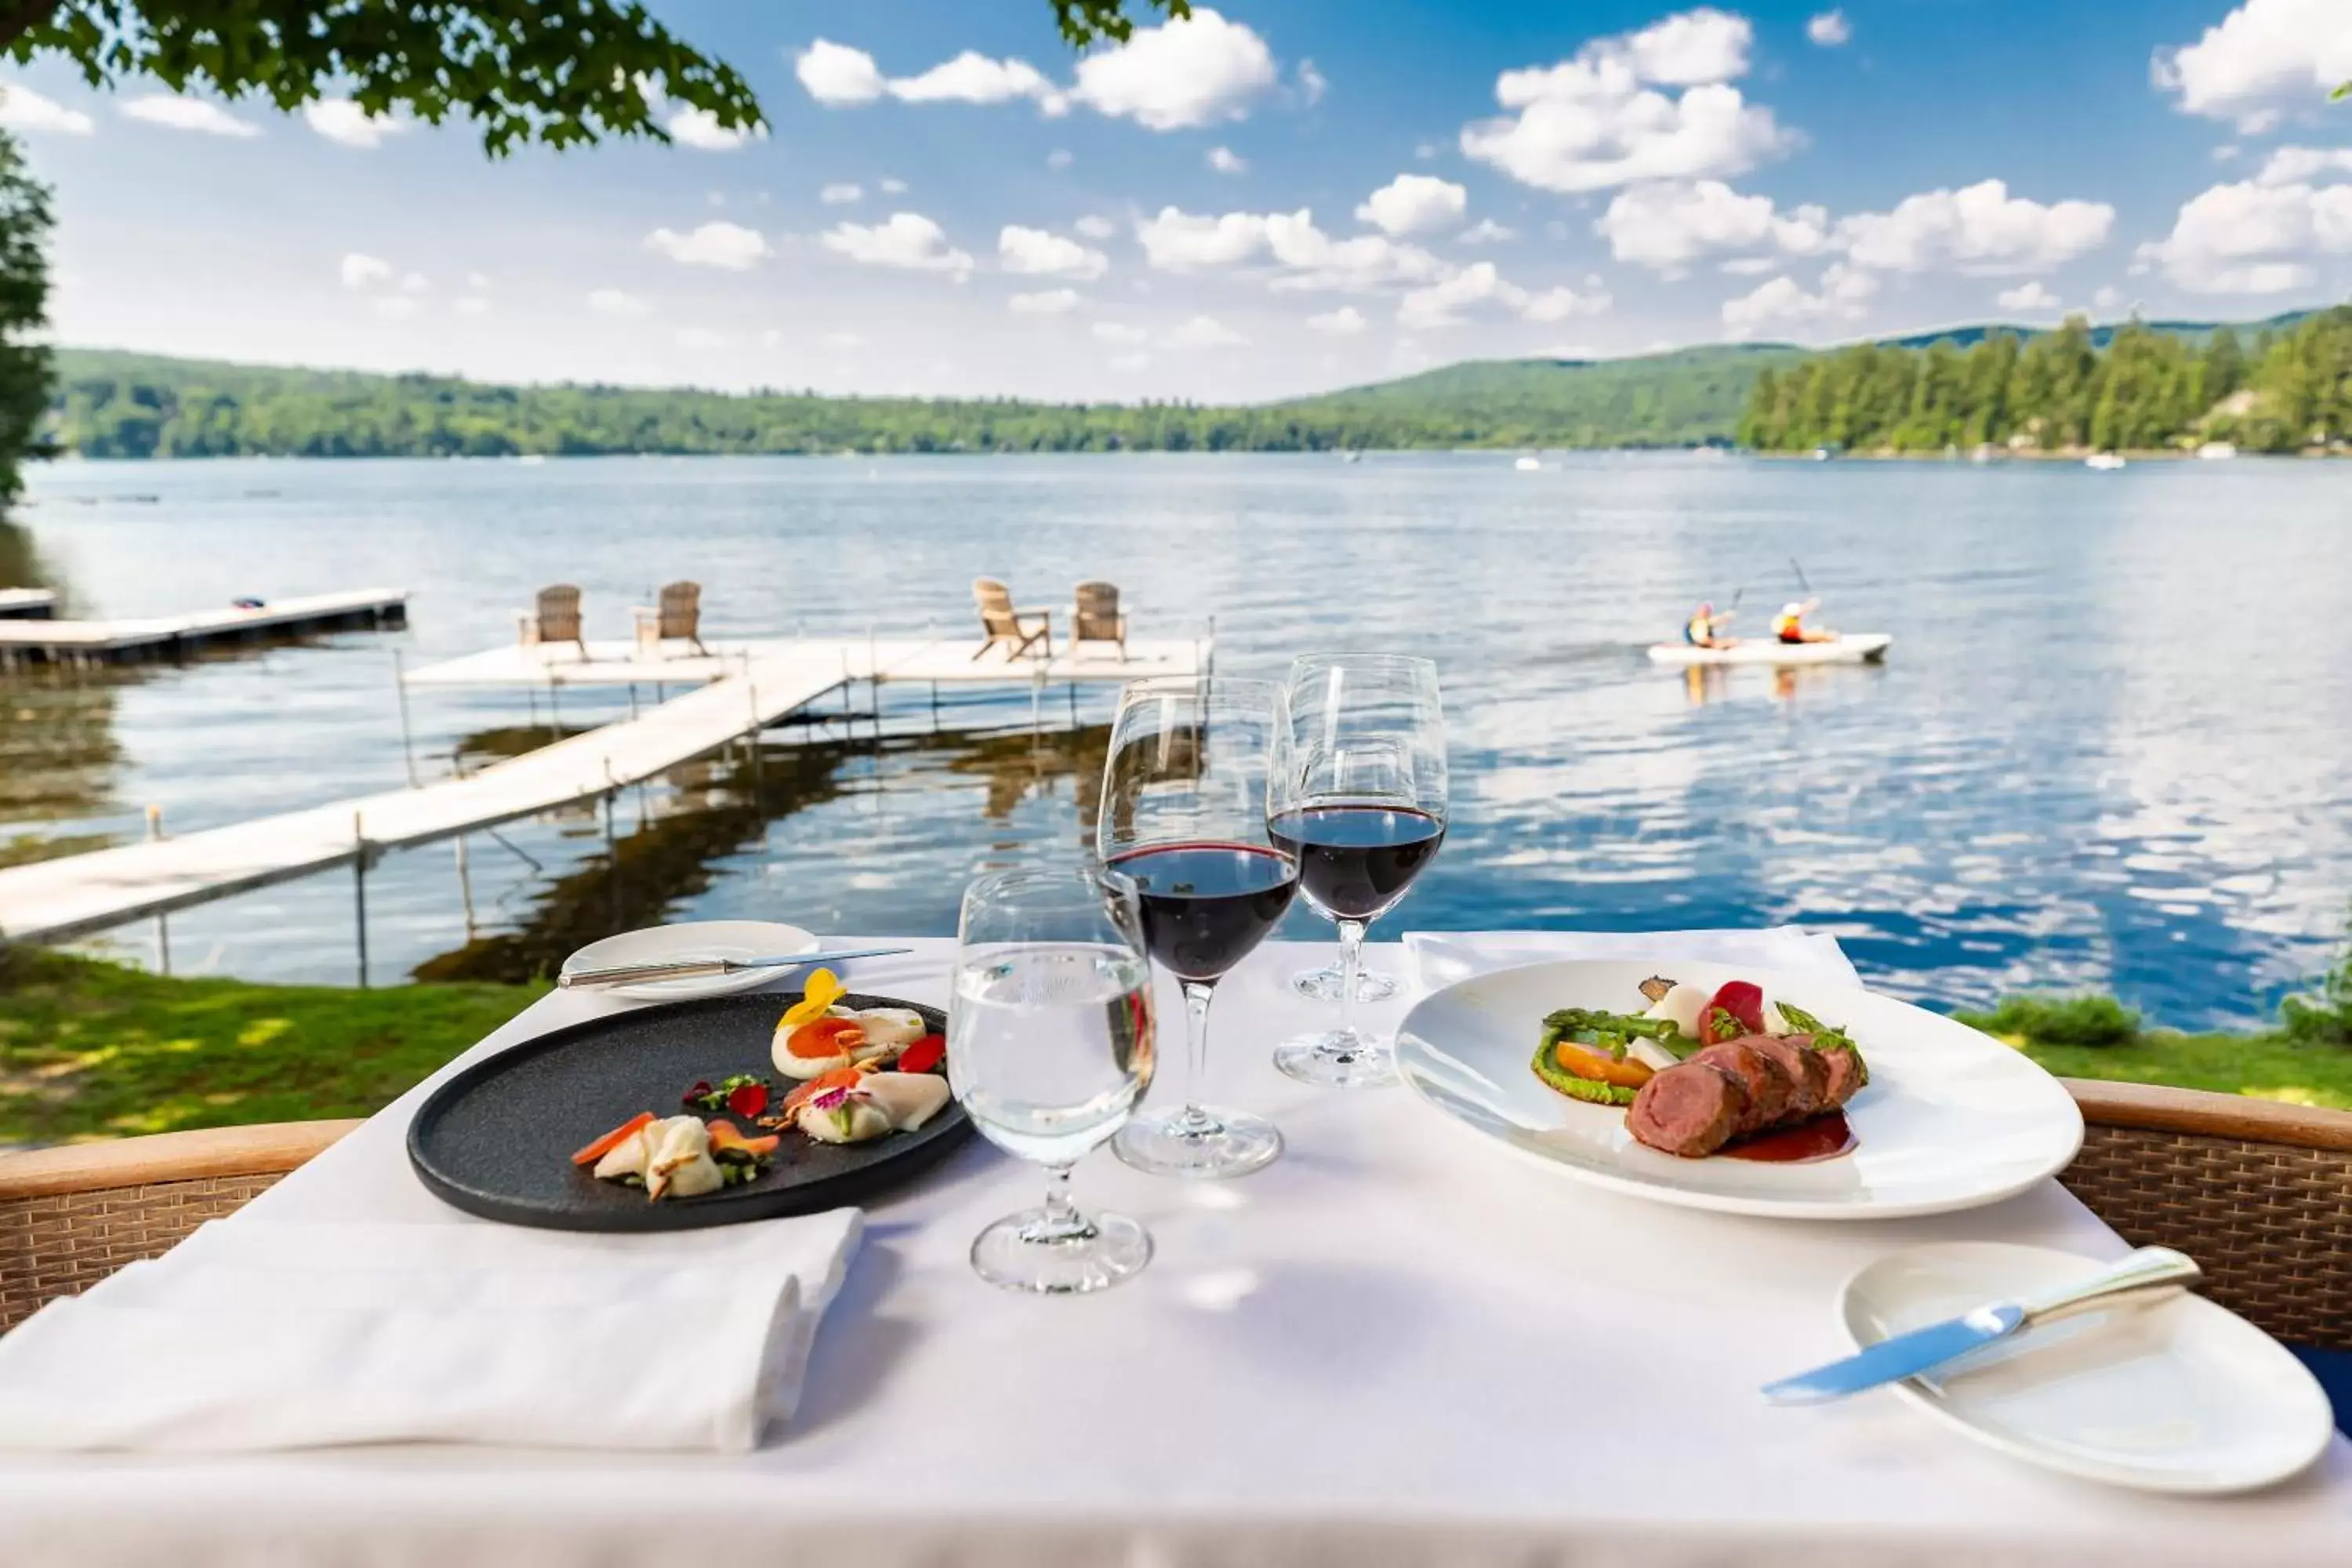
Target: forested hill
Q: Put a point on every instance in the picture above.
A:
(110, 404)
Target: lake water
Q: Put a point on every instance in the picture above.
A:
(2111, 747)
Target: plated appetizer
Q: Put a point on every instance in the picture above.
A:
(675, 1156)
(1709, 1072)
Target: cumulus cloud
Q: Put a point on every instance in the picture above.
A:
(1845, 295)
(341, 120)
(698, 128)
(1037, 252)
(1441, 303)
(908, 241)
(2250, 238)
(1414, 204)
(1312, 83)
(1601, 119)
(1485, 231)
(2031, 297)
(2300, 165)
(1829, 29)
(1979, 228)
(973, 78)
(1205, 331)
(1667, 225)
(1045, 303)
(2265, 59)
(1194, 71)
(841, 194)
(22, 109)
(360, 271)
(1344, 322)
(727, 245)
(889, 187)
(1120, 333)
(197, 114)
(1178, 241)
(1225, 160)
(614, 303)
(836, 75)
(1095, 227)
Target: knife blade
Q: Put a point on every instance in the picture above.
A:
(692, 968)
(2150, 1273)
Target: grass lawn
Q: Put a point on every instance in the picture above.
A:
(90, 1049)
(2268, 1067)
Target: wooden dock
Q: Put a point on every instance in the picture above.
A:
(945, 660)
(43, 641)
(28, 604)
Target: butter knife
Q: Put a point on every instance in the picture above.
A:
(2147, 1275)
(704, 968)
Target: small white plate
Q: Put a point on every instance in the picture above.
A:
(2180, 1397)
(694, 938)
(1951, 1118)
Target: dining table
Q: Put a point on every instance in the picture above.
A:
(1399, 1343)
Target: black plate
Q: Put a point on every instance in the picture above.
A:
(497, 1139)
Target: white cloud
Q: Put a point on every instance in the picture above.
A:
(1751, 266)
(1599, 118)
(1441, 304)
(1979, 228)
(1095, 227)
(835, 74)
(2250, 238)
(2265, 59)
(340, 119)
(1667, 225)
(698, 128)
(1344, 322)
(2031, 297)
(973, 78)
(841, 194)
(1225, 160)
(1045, 302)
(614, 303)
(727, 245)
(1485, 231)
(1829, 29)
(2107, 298)
(1037, 252)
(701, 338)
(1414, 204)
(1189, 72)
(358, 270)
(1120, 333)
(1312, 83)
(2301, 166)
(195, 114)
(889, 187)
(416, 283)
(1177, 241)
(1845, 293)
(472, 305)
(1205, 331)
(1560, 303)
(22, 109)
(908, 241)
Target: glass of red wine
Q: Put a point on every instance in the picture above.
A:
(1184, 817)
(1358, 797)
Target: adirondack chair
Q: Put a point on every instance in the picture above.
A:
(556, 619)
(1094, 615)
(1016, 631)
(678, 618)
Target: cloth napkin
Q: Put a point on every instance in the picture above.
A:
(1441, 958)
(255, 1334)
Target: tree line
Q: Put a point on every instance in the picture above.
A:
(2058, 391)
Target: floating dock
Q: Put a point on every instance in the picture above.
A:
(28, 604)
(45, 641)
(947, 661)
(757, 687)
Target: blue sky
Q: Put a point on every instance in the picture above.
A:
(1280, 195)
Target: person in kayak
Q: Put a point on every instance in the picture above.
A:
(1789, 625)
(1705, 629)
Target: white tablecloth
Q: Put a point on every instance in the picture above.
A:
(1393, 1346)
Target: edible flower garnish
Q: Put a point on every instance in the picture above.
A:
(707, 1096)
(923, 1054)
(748, 1099)
(822, 989)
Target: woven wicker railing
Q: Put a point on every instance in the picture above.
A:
(71, 1217)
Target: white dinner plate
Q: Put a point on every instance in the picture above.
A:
(2180, 1397)
(1951, 1118)
(694, 938)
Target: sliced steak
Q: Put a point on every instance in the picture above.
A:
(1808, 1072)
(1770, 1089)
(1691, 1108)
(1845, 1076)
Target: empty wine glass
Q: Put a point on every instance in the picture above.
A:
(1358, 796)
(1049, 1047)
(1183, 813)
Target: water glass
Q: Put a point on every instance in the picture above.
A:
(1049, 1047)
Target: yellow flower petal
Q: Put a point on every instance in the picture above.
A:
(823, 990)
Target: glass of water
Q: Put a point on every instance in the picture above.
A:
(1049, 1048)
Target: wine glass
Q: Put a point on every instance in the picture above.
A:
(1359, 797)
(1183, 813)
(1049, 1048)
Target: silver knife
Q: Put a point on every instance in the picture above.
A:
(702, 968)
(2147, 1275)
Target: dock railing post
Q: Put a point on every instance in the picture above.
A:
(162, 923)
(407, 740)
(359, 894)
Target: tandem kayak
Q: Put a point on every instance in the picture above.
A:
(1855, 648)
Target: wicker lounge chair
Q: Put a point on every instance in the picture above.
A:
(1016, 631)
(676, 618)
(556, 620)
(1094, 615)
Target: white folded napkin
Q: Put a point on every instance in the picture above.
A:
(252, 1334)
(1440, 958)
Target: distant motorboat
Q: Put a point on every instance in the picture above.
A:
(1852, 648)
(1823, 454)
(2106, 462)
(1352, 457)
(2217, 451)
(1528, 465)
(530, 459)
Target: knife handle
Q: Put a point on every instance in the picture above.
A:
(2143, 1275)
(641, 973)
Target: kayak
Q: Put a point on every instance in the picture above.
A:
(1855, 648)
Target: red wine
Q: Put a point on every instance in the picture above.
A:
(1356, 861)
(1205, 906)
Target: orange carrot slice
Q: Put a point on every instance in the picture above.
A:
(725, 1135)
(1576, 1060)
(613, 1140)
